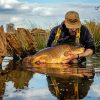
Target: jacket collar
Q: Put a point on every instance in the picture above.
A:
(62, 26)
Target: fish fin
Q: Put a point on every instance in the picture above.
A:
(66, 53)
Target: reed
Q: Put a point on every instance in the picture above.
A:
(41, 41)
(41, 37)
(94, 28)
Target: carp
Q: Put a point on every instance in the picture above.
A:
(54, 54)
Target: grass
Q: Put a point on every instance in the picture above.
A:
(41, 37)
(95, 30)
(41, 41)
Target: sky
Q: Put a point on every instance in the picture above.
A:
(45, 13)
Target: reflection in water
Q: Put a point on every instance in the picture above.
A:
(70, 88)
(66, 81)
(60, 70)
(16, 74)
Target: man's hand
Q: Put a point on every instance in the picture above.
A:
(69, 58)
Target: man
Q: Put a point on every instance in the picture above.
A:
(71, 31)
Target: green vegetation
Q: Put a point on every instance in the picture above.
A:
(40, 37)
(41, 40)
(95, 30)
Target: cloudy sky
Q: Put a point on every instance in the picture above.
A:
(45, 13)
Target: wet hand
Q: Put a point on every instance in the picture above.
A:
(70, 57)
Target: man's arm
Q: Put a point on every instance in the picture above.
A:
(89, 47)
(88, 52)
(88, 43)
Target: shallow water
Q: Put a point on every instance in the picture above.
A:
(50, 82)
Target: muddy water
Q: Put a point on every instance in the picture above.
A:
(51, 81)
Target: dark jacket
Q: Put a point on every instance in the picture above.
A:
(65, 37)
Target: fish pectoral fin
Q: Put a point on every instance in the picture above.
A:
(66, 53)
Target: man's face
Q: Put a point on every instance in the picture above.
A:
(72, 29)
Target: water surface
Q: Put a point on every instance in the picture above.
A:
(50, 82)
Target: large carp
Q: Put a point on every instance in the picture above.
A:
(54, 54)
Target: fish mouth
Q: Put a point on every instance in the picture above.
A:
(27, 60)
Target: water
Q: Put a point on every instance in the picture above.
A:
(50, 82)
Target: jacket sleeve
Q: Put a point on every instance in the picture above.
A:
(51, 37)
(89, 42)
